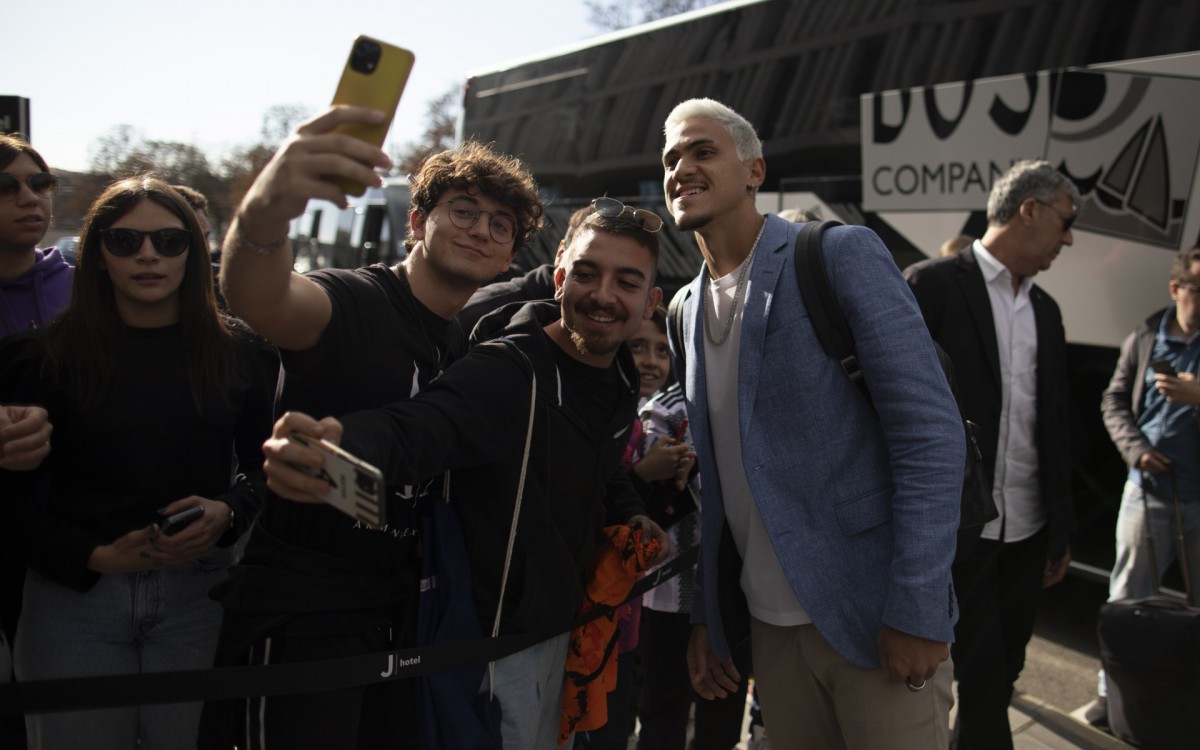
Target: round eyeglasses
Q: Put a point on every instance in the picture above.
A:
(464, 212)
(612, 208)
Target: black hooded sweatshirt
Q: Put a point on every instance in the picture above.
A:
(473, 421)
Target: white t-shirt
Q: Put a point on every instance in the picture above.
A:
(768, 592)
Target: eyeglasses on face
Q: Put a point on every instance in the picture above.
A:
(1193, 288)
(1067, 221)
(40, 183)
(168, 242)
(611, 208)
(464, 212)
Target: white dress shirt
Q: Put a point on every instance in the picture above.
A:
(1015, 485)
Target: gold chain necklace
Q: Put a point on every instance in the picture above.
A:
(743, 274)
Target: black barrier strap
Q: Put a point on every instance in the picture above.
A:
(225, 683)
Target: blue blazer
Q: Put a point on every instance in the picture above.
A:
(861, 503)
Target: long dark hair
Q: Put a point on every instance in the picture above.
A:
(81, 343)
(12, 146)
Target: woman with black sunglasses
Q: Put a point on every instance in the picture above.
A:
(159, 406)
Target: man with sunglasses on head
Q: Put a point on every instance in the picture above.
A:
(475, 421)
(1005, 337)
(352, 340)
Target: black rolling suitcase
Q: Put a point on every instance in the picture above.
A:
(1150, 649)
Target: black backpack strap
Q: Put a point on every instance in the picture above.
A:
(828, 321)
(675, 326)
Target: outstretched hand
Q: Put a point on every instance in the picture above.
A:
(289, 465)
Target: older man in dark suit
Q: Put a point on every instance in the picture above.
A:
(1005, 337)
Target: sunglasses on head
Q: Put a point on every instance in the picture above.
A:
(168, 242)
(611, 208)
(39, 182)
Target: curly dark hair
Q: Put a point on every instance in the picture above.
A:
(477, 168)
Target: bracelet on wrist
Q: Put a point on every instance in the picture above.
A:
(253, 247)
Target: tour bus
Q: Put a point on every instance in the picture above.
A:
(370, 230)
(899, 117)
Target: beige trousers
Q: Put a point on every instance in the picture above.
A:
(811, 697)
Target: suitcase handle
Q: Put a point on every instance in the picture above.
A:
(1182, 542)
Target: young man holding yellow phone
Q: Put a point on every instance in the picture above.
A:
(352, 340)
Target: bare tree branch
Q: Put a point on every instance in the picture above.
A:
(621, 14)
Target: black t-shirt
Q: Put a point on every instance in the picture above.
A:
(381, 345)
(595, 390)
(143, 446)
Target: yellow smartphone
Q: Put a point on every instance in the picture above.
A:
(374, 76)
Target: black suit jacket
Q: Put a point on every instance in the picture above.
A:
(954, 302)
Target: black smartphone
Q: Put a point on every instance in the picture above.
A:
(1163, 367)
(177, 522)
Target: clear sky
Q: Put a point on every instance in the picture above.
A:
(205, 72)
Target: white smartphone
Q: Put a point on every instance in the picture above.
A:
(357, 487)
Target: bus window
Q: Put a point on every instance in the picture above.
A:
(387, 251)
(371, 231)
(314, 229)
(345, 251)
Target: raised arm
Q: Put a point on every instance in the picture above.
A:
(256, 257)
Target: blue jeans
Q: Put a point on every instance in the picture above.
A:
(128, 623)
(529, 685)
(1131, 577)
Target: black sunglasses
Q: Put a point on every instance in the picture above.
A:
(168, 242)
(611, 208)
(39, 182)
(1067, 221)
